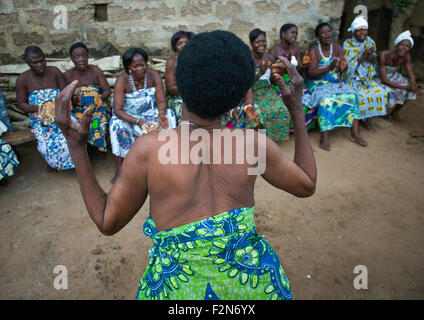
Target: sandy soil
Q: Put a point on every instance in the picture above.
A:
(367, 210)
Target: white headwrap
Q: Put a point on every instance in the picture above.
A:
(406, 35)
(358, 22)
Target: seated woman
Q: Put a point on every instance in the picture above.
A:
(288, 49)
(139, 104)
(274, 116)
(360, 52)
(205, 243)
(401, 88)
(8, 158)
(337, 102)
(93, 92)
(36, 90)
(175, 103)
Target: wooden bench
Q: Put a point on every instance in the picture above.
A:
(18, 137)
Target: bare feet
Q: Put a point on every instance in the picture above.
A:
(357, 139)
(417, 134)
(324, 142)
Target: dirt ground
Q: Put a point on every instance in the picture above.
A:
(367, 210)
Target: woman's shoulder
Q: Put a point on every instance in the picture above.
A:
(122, 79)
(314, 47)
(267, 56)
(172, 59)
(94, 69)
(384, 53)
(153, 75)
(54, 71)
(338, 46)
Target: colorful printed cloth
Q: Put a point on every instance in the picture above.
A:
(337, 102)
(275, 117)
(398, 96)
(89, 96)
(243, 120)
(373, 98)
(140, 104)
(8, 160)
(175, 103)
(221, 257)
(310, 114)
(51, 142)
(4, 116)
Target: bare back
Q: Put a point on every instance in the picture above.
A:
(183, 193)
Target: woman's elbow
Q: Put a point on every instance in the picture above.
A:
(307, 190)
(107, 229)
(107, 232)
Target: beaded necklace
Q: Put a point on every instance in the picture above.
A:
(322, 54)
(131, 82)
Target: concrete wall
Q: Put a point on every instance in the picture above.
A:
(151, 23)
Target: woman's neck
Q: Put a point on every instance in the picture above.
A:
(285, 45)
(325, 46)
(257, 55)
(198, 122)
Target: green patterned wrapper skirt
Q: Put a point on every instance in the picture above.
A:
(218, 258)
(274, 115)
(176, 103)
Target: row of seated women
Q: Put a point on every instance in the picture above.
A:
(341, 88)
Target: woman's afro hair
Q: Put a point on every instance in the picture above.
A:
(214, 72)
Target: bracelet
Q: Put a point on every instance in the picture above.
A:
(137, 121)
(231, 113)
(247, 106)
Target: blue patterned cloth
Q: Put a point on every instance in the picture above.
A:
(221, 257)
(337, 102)
(8, 160)
(139, 104)
(51, 142)
(4, 116)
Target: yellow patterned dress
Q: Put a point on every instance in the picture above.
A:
(373, 98)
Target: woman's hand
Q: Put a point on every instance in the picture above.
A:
(415, 88)
(163, 120)
(335, 63)
(292, 96)
(76, 134)
(343, 64)
(307, 58)
(263, 67)
(251, 113)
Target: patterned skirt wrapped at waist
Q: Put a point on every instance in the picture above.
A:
(8, 160)
(90, 96)
(337, 102)
(274, 115)
(175, 103)
(221, 257)
(243, 121)
(51, 142)
(140, 104)
(397, 96)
